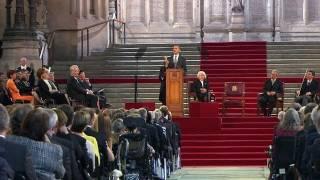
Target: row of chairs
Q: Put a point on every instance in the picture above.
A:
(234, 96)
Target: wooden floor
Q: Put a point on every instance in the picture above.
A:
(221, 173)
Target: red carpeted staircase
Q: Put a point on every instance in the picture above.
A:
(241, 141)
(236, 62)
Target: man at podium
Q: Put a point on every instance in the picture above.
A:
(175, 61)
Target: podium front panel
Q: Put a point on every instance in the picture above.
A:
(174, 91)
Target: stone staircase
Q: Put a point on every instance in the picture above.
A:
(292, 59)
(220, 173)
(124, 62)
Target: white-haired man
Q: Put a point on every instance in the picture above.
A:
(76, 91)
(272, 88)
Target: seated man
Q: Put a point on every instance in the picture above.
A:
(51, 78)
(23, 66)
(23, 83)
(272, 87)
(76, 91)
(47, 89)
(201, 86)
(308, 89)
(85, 82)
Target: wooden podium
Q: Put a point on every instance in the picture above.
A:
(174, 91)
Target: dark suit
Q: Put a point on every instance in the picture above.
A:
(18, 158)
(266, 102)
(24, 87)
(86, 85)
(31, 77)
(76, 91)
(67, 159)
(312, 87)
(101, 96)
(4, 97)
(162, 78)
(181, 64)
(44, 93)
(197, 85)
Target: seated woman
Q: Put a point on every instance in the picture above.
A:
(201, 86)
(290, 124)
(11, 86)
(47, 89)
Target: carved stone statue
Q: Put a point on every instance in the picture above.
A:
(42, 14)
(237, 6)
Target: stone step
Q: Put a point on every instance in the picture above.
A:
(293, 43)
(220, 173)
(293, 56)
(293, 61)
(294, 51)
(151, 52)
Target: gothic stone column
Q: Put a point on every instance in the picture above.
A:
(33, 14)
(8, 18)
(20, 22)
(20, 40)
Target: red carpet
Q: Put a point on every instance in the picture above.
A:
(235, 62)
(241, 141)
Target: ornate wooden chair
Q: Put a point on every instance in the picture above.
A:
(234, 96)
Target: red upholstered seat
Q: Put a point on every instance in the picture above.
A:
(234, 96)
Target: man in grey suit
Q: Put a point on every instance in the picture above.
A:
(177, 61)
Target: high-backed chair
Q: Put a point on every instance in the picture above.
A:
(234, 96)
(191, 93)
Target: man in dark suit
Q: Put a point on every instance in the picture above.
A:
(271, 90)
(176, 60)
(201, 86)
(23, 66)
(85, 82)
(76, 91)
(308, 89)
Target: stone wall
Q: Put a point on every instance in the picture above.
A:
(2, 18)
(68, 15)
(77, 14)
(179, 20)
